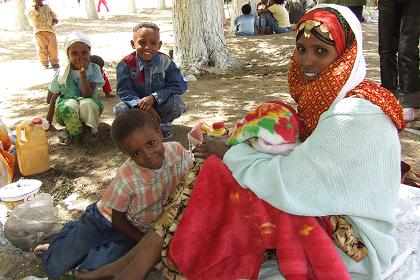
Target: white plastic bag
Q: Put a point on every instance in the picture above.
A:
(30, 223)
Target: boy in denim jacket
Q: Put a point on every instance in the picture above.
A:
(149, 80)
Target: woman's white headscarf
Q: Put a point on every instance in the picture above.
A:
(358, 72)
(65, 68)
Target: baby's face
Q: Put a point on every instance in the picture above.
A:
(146, 42)
(79, 55)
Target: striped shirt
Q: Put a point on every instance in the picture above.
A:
(142, 192)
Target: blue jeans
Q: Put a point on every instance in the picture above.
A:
(266, 19)
(237, 33)
(168, 111)
(88, 243)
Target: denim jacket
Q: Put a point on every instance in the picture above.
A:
(159, 77)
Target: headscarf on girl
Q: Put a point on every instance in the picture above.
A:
(65, 68)
(336, 25)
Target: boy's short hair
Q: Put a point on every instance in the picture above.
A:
(280, 2)
(129, 121)
(97, 60)
(246, 9)
(146, 24)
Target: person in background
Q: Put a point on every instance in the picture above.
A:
(149, 80)
(399, 32)
(263, 4)
(356, 6)
(100, 3)
(107, 89)
(43, 20)
(245, 23)
(74, 91)
(275, 17)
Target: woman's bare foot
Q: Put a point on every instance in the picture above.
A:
(41, 249)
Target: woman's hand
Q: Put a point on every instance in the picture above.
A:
(209, 148)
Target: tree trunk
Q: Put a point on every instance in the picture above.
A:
(21, 21)
(223, 12)
(199, 39)
(236, 10)
(132, 7)
(161, 4)
(89, 9)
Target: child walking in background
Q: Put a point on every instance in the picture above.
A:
(131, 204)
(149, 80)
(245, 23)
(107, 89)
(43, 19)
(102, 2)
(74, 89)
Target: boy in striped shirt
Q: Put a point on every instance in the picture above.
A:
(131, 204)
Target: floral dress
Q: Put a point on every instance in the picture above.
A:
(71, 108)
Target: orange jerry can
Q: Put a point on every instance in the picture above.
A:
(32, 149)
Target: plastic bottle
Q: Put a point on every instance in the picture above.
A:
(218, 132)
(32, 149)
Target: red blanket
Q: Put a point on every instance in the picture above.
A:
(226, 229)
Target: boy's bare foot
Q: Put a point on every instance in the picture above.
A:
(91, 275)
(107, 272)
(41, 249)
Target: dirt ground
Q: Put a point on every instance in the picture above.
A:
(84, 169)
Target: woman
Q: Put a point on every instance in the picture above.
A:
(349, 162)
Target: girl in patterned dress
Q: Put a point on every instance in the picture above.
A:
(75, 100)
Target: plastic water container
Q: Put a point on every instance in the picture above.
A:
(218, 132)
(32, 149)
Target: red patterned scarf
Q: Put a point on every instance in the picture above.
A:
(316, 97)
